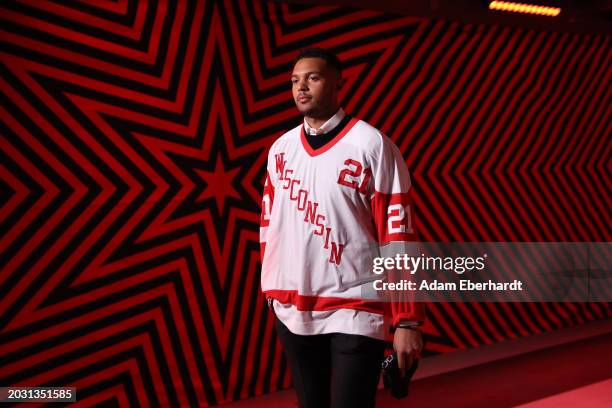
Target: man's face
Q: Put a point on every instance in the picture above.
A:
(315, 87)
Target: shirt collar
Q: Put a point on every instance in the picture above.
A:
(327, 126)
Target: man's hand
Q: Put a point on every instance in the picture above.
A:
(408, 344)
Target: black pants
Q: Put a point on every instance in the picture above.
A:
(333, 370)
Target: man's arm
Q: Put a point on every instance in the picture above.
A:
(393, 213)
(267, 200)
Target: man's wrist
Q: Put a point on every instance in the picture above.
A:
(408, 324)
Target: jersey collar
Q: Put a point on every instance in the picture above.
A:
(327, 126)
(315, 152)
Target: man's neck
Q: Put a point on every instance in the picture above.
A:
(317, 122)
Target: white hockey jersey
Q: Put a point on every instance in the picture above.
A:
(324, 212)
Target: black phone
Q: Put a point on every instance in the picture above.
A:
(392, 378)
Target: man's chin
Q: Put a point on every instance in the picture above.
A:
(305, 111)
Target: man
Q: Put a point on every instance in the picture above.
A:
(336, 188)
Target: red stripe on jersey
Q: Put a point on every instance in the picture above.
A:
(262, 250)
(405, 309)
(315, 152)
(393, 217)
(320, 303)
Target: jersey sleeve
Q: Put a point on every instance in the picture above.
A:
(267, 201)
(393, 215)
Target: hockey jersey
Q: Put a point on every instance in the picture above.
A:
(325, 211)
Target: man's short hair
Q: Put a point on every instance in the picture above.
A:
(331, 59)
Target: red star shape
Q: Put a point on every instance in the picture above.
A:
(218, 184)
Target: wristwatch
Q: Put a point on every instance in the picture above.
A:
(408, 324)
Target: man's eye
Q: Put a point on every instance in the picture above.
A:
(314, 78)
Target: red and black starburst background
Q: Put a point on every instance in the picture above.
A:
(134, 139)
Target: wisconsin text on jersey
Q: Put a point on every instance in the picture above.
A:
(309, 207)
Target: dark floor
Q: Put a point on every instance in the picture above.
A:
(569, 367)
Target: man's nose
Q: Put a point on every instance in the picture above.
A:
(302, 84)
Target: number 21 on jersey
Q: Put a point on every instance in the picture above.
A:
(392, 211)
